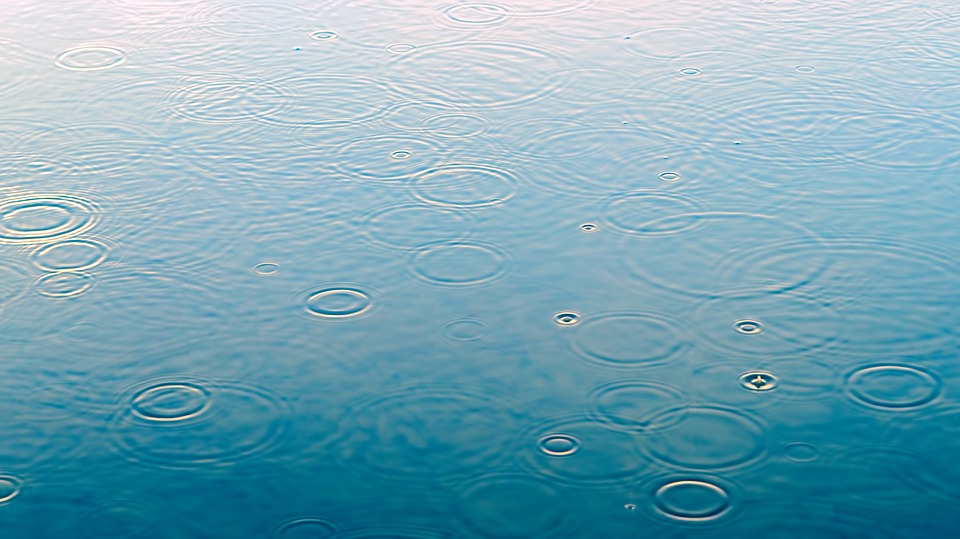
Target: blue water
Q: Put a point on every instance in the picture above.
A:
(519, 269)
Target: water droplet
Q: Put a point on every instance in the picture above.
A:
(324, 35)
(338, 302)
(801, 452)
(464, 329)
(266, 268)
(804, 69)
(758, 381)
(689, 71)
(748, 327)
(91, 58)
(296, 48)
(567, 318)
(588, 227)
(558, 445)
(630, 506)
(9, 487)
(171, 401)
(670, 176)
(894, 387)
(692, 500)
(401, 154)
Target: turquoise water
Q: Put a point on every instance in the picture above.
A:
(519, 269)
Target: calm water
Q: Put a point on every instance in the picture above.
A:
(519, 269)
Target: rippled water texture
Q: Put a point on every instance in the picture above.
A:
(426, 269)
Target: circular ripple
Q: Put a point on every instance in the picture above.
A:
(804, 69)
(305, 528)
(45, 218)
(464, 329)
(171, 401)
(116, 519)
(879, 476)
(401, 48)
(71, 255)
(225, 98)
(671, 42)
(435, 431)
(793, 322)
(630, 339)
(801, 452)
(582, 452)
(254, 19)
(514, 506)
(454, 125)
(460, 71)
(651, 213)
(899, 297)
(321, 101)
(588, 227)
(324, 35)
(567, 318)
(266, 268)
(372, 158)
(458, 263)
(404, 227)
(708, 438)
(748, 327)
(339, 301)
(689, 71)
(758, 381)
(893, 387)
(464, 186)
(64, 284)
(670, 176)
(474, 14)
(9, 487)
(395, 531)
(91, 58)
(172, 424)
(634, 404)
(692, 500)
(558, 445)
(702, 261)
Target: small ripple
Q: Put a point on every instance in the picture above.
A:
(266, 268)
(670, 176)
(464, 329)
(476, 14)
(804, 68)
(226, 98)
(64, 284)
(748, 327)
(458, 263)
(582, 452)
(465, 185)
(692, 500)
(632, 405)
(324, 35)
(92, 58)
(630, 339)
(708, 438)
(404, 227)
(536, 508)
(305, 528)
(525, 73)
(371, 158)
(180, 424)
(119, 519)
(894, 386)
(10, 487)
(758, 381)
(801, 452)
(668, 42)
(690, 71)
(651, 213)
(339, 301)
(588, 227)
(558, 445)
(419, 432)
(401, 48)
(72, 255)
(313, 104)
(45, 218)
